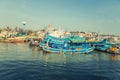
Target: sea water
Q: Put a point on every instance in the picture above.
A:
(21, 62)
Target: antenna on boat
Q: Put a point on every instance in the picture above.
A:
(98, 35)
(49, 26)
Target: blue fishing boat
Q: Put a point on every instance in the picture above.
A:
(103, 41)
(70, 49)
(48, 39)
(66, 44)
(105, 46)
(102, 47)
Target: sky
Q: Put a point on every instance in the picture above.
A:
(102, 16)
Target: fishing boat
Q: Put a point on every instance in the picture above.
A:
(105, 46)
(9, 40)
(79, 49)
(114, 49)
(15, 40)
(66, 44)
(102, 47)
(35, 42)
(103, 41)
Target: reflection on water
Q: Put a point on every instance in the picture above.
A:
(9, 51)
(73, 57)
(20, 62)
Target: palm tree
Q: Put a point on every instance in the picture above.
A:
(8, 29)
(0, 30)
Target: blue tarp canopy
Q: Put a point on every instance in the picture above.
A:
(57, 38)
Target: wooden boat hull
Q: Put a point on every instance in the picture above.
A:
(14, 40)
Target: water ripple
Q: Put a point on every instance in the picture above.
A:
(19, 62)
